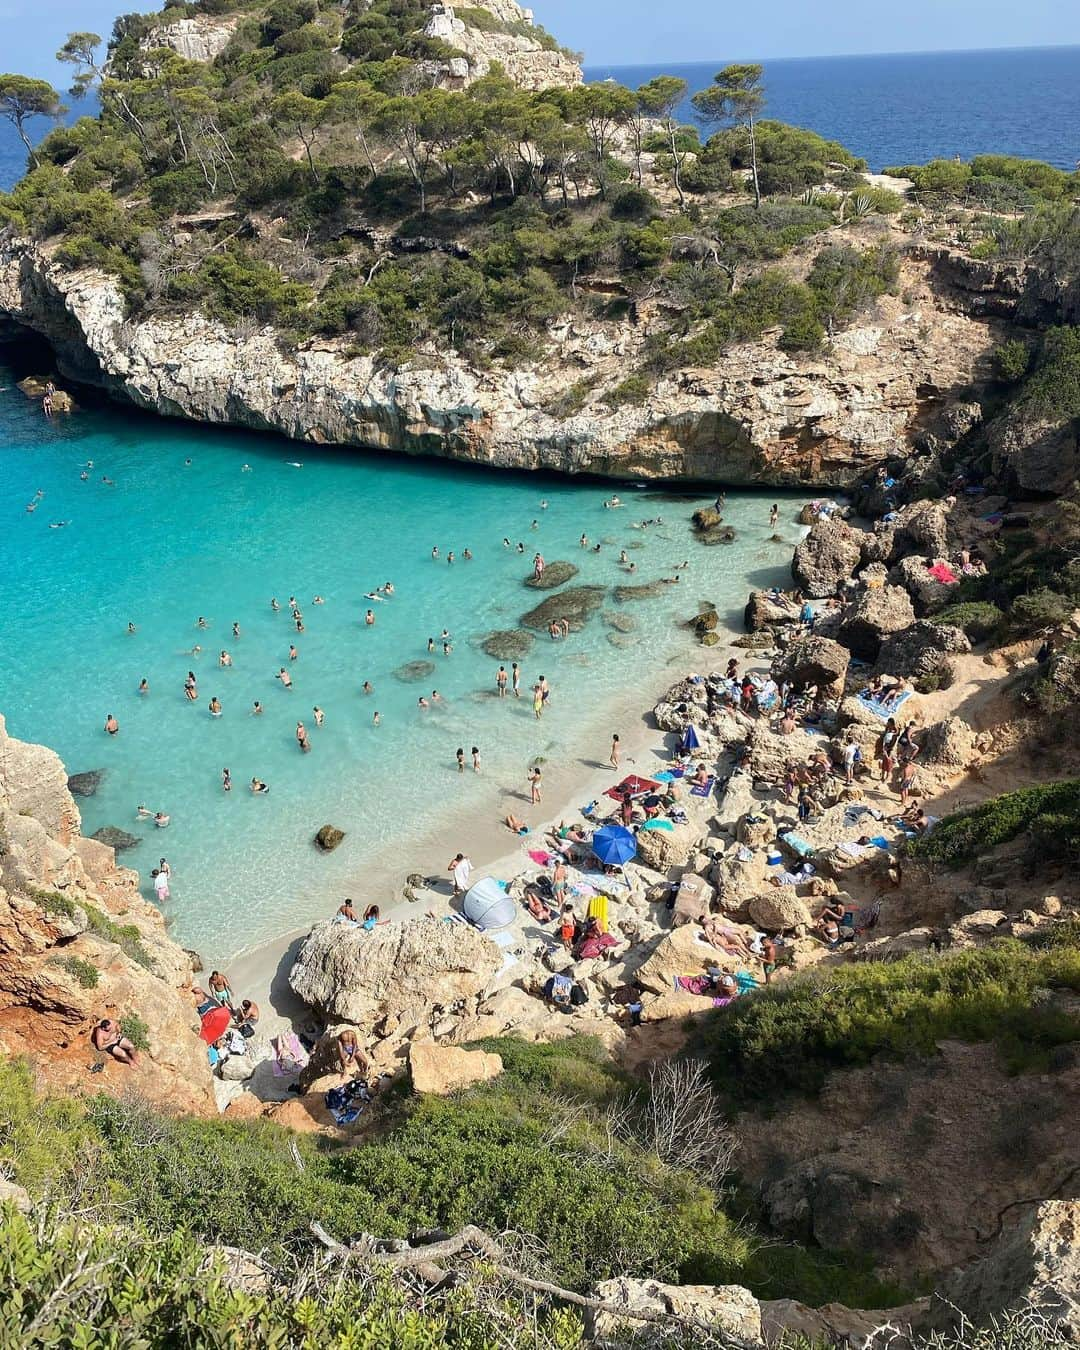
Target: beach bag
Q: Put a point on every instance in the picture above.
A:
(578, 996)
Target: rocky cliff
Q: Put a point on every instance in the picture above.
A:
(506, 38)
(79, 943)
(760, 416)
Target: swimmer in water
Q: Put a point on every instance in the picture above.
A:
(584, 541)
(367, 687)
(535, 525)
(200, 622)
(259, 787)
(215, 706)
(224, 659)
(302, 737)
(369, 618)
(319, 716)
(389, 588)
(436, 697)
(144, 812)
(256, 709)
(467, 555)
(422, 702)
(435, 552)
(226, 780)
(236, 630)
(317, 600)
(274, 605)
(132, 629)
(285, 678)
(293, 653)
(375, 720)
(520, 547)
(298, 620)
(431, 644)
(447, 648)
(191, 691)
(506, 542)
(84, 476)
(196, 650)
(112, 726)
(144, 687)
(543, 504)
(295, 464)
(161, 819)
(58, 524)
(450, 556)
(107, 480)
(245, 468)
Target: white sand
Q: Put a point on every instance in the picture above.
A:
(569, 784)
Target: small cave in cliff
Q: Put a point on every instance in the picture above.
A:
(25, 352)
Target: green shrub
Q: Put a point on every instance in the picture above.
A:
(1050, 811)
(1039, 609)
(52, 902)
(788, 1038)
(1011, 360)
(136, 1030)
(633, 390)
(126, 936)
(82, 970)
(978, 618)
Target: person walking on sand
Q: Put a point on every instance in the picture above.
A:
(907, 781)
(535, 782)
(613, 758)
(460, 868)
(500, 681)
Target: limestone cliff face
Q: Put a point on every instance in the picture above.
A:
(198, 39)
(506, 41)
(78, 943)
(760, 416)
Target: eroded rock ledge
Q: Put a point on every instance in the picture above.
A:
(761, 417)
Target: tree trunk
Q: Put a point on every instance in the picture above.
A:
(676, 162)
(26, 141)
(753, 163)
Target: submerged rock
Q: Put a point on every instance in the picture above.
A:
(413, 671)
(328, 838)
(85, 784)
(622, 623)
(508, 644)
(577, 605)
(116, 838)
(647, 590)
(555, 574)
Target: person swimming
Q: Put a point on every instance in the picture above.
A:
(285, 678)
(224, 659)
(215, 706)
(274, 604)
(256, 709)
(259, 787)
(112, 726)
(318, 714)
(132, 629)
(162, 819)
(144, 687)
(226, 780)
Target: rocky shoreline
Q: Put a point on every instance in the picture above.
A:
(762, 417)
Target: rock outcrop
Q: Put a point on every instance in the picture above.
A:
(508, 39)
(357, 976)
(761, 416)
(79, 943)
(826, 557)
(441, 1069)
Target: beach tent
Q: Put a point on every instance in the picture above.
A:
(634, 785)
(614, 845)
(488, 906)
(691, 739)
(215, 1023)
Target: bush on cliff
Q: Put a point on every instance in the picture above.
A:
(534, 1151)
(1050, 812)
(788, 1038)
(978, 619)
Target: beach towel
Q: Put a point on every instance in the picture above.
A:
(879, 841)
(746, 982)
(702, 789)
(942, 572)
(854, 850)
(637, 787)
(289, 1055)
(658, 825)
(880, 708)
(597, 910)
(797, 843)
(539, 857)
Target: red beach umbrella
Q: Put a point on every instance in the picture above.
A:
(214, 1024)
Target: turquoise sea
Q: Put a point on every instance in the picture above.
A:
(169, 541)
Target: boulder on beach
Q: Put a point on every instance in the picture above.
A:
(778, 909)
(661, 849)
(576, 605)
(116, 838)
(921, 649)
(555, 574)
(508, 644)
(440, 1070)
(871, 618)
(646, 590)
(761, 613)
(85, 784)
(826, 557)
(328, 837)
(414, 671)
(356, 976)
(813, 660)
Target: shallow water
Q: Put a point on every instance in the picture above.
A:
(172, 541)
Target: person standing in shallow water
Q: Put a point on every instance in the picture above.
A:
(461, 759)
(500, 681)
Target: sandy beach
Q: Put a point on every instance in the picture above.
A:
(569, 783)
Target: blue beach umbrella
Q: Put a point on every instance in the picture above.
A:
(614, 844)
(690, 740)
